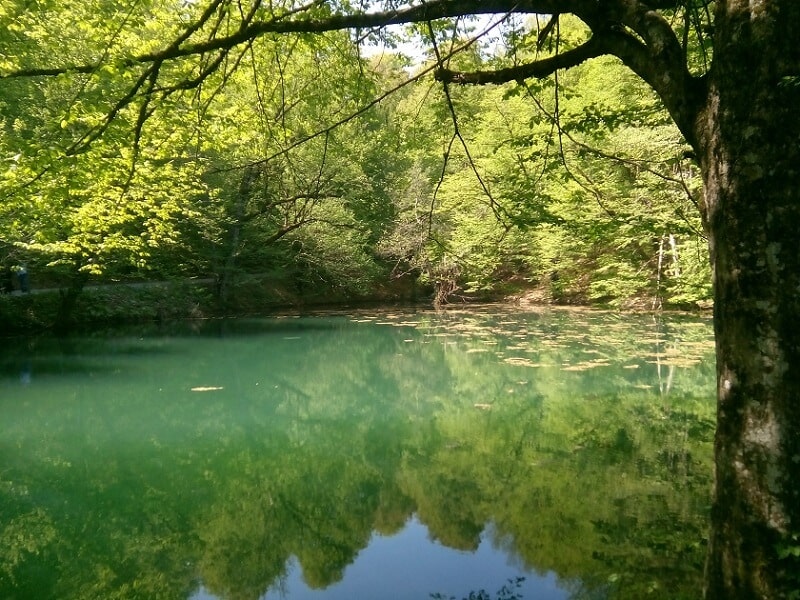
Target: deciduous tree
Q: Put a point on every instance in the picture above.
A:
(738, 114)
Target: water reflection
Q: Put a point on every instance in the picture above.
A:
(301, 455)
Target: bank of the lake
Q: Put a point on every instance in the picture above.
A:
(105, 303)
(119, 303)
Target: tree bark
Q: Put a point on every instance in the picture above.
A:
(227, 274)
(749, 138)
(743, 120)
(68, 299)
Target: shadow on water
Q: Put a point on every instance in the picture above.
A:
(95, 351)
(352, 456)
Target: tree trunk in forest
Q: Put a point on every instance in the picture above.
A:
(68, 299)
(749, 144)
(226, 276)
(676, 260)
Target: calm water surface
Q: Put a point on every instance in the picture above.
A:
(543, 454)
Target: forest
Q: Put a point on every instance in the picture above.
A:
(271, 181)
(216, 155)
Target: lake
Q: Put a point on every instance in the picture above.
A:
(405, 454)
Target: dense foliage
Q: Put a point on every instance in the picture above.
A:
(279, 182)
(104, 96)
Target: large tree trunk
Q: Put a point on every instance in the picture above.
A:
(749, 138)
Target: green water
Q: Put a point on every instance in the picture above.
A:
(561, 453)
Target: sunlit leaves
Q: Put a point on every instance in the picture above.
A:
(133, 173)
(574, 185)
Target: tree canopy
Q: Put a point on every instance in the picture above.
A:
(119, 157)
(223, 148)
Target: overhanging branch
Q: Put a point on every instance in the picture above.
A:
(297, 21)
(537, 69)
(632, 30)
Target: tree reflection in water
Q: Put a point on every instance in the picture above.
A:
(575, 443)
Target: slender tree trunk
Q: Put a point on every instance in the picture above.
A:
(676, 260)
(660, 264)
(750, 144)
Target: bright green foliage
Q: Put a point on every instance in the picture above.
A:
(248, 163)
(287, 190)
(80, 204)
(588, 198)
(189, 182)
